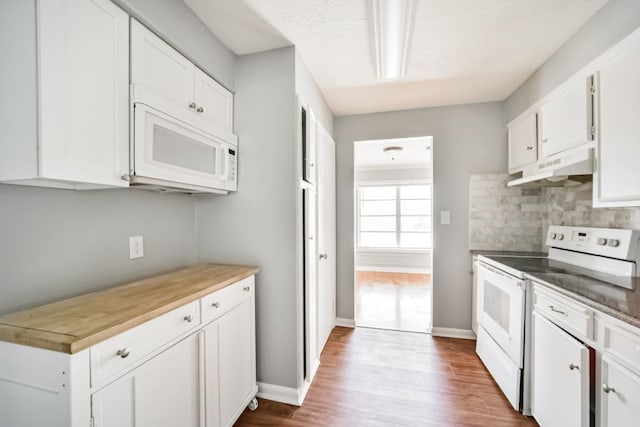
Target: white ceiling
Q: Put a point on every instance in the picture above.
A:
(416, 152)
(462, 51)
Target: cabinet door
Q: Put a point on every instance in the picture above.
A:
(163, 392)
(560, 383)
(523, 142)
(213, 102)
(159, 68)
(565, 122)
(620, 395)
(236, 361)
(617, 180)
(83, 54)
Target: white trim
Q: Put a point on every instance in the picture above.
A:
(466, 334)
(395, 251)
(345, 323)
(393, 269)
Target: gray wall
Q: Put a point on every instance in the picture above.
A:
(179, 26)
(59, 243)
(466, 139)
(308, 90)
(612, 23)
(257, 225)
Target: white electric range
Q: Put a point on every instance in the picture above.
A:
(600, 260)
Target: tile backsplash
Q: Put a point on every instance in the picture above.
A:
(504, 218)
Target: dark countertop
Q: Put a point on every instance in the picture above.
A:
(507, 253)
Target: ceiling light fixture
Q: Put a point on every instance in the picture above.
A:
(392, 23)
(392, 151)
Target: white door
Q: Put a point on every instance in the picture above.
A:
(560, 381)
(159, 68)
(523, 142)
(566, 120)
(620, 395)
(326, 188)
(163, 392)
(83, 53)
(213, 102)
(617, 179)
(310, 281)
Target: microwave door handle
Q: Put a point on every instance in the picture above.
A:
(224, 164)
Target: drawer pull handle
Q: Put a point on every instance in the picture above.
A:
(555, 310)
(247, 288)
(573, 366)
(608, 389)
(215, 305)
(529, 147)
(188, 318)
(124, 353)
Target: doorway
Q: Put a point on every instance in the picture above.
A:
(393, 227)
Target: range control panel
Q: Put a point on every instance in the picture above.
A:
(610, 242)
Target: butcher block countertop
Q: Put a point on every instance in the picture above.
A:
(74, 324)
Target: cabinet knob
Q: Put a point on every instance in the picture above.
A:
(529, 147)
(324, 256)
(124, 353)
(188, 318)
(608, 389)
(545, 139)
(126, 177)
(573, 366)
(247, 288)
(215, 305)
(192, 105)
(200, 110)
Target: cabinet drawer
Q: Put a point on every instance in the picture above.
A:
(573, 316)
(117, 354)
(623, 345)
(220, 302)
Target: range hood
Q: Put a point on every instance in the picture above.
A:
(557, 168)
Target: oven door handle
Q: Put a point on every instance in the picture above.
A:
(499, 273)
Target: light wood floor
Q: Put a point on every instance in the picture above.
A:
(397, 301)
(373, 377)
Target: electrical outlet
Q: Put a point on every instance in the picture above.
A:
(136, 247)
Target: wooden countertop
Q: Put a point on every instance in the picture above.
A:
(74, 324)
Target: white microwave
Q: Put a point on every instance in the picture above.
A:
(168, 154)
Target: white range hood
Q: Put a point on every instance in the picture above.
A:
(577, 161)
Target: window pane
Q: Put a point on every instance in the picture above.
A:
(384, 207)
(415, 240)
(378, 240)
(378, 223)
(416, 207)
(415, 223)
(415, 192)
(386, 192)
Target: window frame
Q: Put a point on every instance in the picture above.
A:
(398, 215)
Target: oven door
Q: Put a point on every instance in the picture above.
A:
(501, 308)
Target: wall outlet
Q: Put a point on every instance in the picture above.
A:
(136, 247)
(445, 217)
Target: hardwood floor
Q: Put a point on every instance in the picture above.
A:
(373, 377)
(397, 301)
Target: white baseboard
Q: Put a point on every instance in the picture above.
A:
(385, 269)
(345, 323)
(278, 393)
(466, 334)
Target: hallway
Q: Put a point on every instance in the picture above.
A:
(372, 377)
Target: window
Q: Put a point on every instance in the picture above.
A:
(394, 216)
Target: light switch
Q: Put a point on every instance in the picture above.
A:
(445, 217)
(136, 247)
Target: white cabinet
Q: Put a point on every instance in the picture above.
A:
(560, 383)
(164, 79)
(164, 391)
(566, 120)
(620, 395)
(229, 349)
(523, 142)
(71, 130)
(617, 178)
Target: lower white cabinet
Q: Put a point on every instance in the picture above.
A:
(620, 395)
(164, 391)
(560, 377)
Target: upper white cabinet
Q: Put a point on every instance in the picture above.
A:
(65, 104)
(166, 80)
(617, 177)
(566, 120)
(523, 142)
